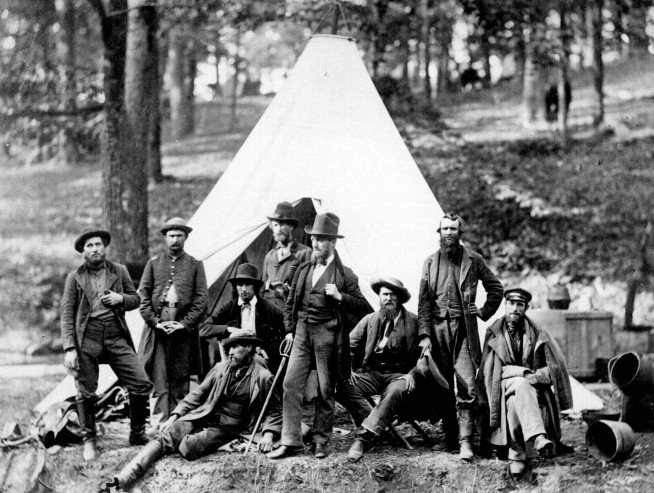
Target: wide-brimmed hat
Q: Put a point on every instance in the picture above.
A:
(325, 225)
(394, 285)
(243, 340)
(175, 223)
(247, 272)
(90, 232)
(284, 213)
(517, 294)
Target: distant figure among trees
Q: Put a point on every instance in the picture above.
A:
(552, 101)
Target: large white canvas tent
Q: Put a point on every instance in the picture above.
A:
(325, 143)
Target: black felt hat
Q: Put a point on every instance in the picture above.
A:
(90, 233)
(394, 285)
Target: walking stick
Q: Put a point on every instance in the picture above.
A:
(285, 352)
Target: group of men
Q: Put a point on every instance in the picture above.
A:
(510, 388)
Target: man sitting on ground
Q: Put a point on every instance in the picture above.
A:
(521, 369)
(226, 404)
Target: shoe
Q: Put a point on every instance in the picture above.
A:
(283, 451)
(517, 467)
(543, 446)
(356, 449)
(320, 451)
(90, 451)
(465, 451)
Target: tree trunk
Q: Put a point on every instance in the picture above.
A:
(116, 186)
(425, 42)
(140, 64)
(190, 71)
(237, 61)
(531, 97)
(563, 82)
(486, 53)
(404, 53)
(637, 30)
(65, 41)
(155, 105)
(176, 62)
(595, 7)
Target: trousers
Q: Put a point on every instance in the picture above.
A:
(392, 394)
(318, 343)
(457, 365)
(103, 342)
(195, 439)
(523, 414)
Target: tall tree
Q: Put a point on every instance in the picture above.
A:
(65, 40)
(594, 8)
(563, 81)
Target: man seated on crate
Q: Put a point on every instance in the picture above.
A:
(384, 349)
(523, 377)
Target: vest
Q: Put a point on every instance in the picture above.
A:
(316, 308)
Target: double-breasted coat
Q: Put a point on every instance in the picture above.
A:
(187, 275)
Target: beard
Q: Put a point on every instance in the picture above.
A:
(515, 321)
(94, 261)
(450, 245)
(389, 311)
(319, 257)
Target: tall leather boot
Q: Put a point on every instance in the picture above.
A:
(450, 427)
(466, 429)
(139, 464)
(138, 414)
(86, 415)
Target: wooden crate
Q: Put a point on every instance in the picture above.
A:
(583, 336)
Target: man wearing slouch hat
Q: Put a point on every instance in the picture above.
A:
(93, 331)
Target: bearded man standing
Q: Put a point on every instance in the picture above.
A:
(323, 292)
(447, 313)
(174, 296)
(94, 331)
(521, 369)
(282, 261)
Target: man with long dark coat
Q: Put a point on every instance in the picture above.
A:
(173, 294)
(248, 314)
(447, 314)
(522, 369)
(226, 404)
(323, 292)
(94, 331)
(282, 261)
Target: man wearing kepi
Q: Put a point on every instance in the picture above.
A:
(173, 294)
(447, 312)
(282, 261)
(522, 369)
(250, 315)
(94, 331)
(323, 293)
(384, 351)
(227, 403)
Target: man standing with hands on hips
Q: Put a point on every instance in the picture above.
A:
(447, 312)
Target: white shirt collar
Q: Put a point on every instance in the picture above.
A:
(253, 301)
